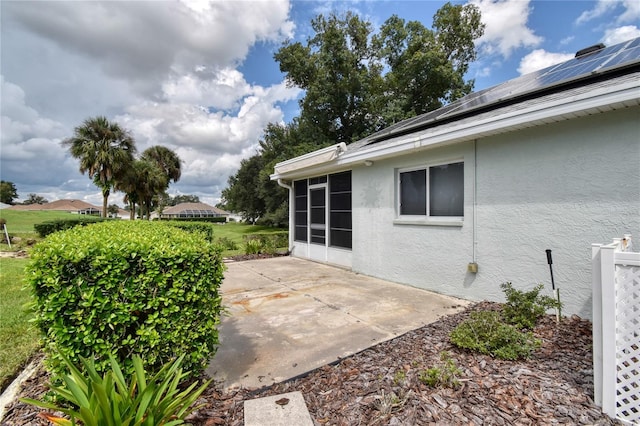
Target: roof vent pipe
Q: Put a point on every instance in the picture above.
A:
(589, 50)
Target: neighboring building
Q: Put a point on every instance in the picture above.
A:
(71, 206)
(187, 210)
(467, 197)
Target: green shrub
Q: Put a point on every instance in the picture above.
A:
(227, 243)
(524, 309)
(46, 228)
(127, 288)
(110, 399)
(206, 229)
(270, 239)
(444, 375)
(252, 247)
(485, 332)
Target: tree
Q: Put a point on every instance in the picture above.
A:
(356, 83)
(183, 198)
(35, 199)
(427, 67)
(240, 195)
(105, 151)
(338, 71)
(8, 192)
(113, 210)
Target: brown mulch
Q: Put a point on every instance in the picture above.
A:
(381, 386)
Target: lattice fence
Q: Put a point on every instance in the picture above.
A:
(616, 331)
(628, 343)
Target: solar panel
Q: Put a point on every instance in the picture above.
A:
(601, 61)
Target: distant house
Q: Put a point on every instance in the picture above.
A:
(192, 210)
(464, 198)
(71, 206)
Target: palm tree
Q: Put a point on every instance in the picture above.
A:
(105, 151)
(166, 159)
(151, 181)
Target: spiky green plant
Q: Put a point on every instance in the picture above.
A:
(109, 400)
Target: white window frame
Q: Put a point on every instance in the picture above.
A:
(425, 219)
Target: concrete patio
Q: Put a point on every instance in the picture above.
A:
(288, 316)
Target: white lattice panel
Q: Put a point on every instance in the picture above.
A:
(628, 343)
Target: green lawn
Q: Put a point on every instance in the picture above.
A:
(18, 337)
(20, 224)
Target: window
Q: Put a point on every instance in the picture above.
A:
(340, 210)
(432, 192)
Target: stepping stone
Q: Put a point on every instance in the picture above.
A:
(287, 409)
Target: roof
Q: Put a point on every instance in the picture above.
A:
(604, 80)
(63, 205)
(184, 207)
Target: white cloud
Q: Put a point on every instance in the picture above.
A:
(600, 9)
(540, 59)
(143, 42)
(164, 70)
(506, 26)
(631, 11)
(620, 34)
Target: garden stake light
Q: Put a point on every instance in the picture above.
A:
(553, 285)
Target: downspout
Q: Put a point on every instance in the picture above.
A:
(475, 199)
(291, 210)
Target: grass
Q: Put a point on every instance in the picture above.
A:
(20, 224)
(18, 338)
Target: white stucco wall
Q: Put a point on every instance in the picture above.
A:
(560, 187)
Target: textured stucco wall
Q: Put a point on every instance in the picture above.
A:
(561, 187)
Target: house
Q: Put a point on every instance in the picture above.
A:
(71, 206)
(192, 210)
(462, 199)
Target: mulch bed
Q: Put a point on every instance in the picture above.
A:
(381, 386)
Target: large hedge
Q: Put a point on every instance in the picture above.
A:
(127, 288)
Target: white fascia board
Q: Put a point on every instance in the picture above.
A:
(592, 100)
(306, 161)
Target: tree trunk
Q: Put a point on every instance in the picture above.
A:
(105, 200)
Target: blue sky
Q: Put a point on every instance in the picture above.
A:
(199, 77)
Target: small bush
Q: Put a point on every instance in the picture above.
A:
(253, 247)
(46, 228)
(524, 309)
(272, 239)
(123, 288)
(227, 243)
(444, 375)
(111, 399)
(485, 332)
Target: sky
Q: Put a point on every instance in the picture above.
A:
(200, 78)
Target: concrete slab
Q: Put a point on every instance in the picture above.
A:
(288, 316)
(287, 409)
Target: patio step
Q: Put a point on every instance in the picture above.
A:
(287, 409)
